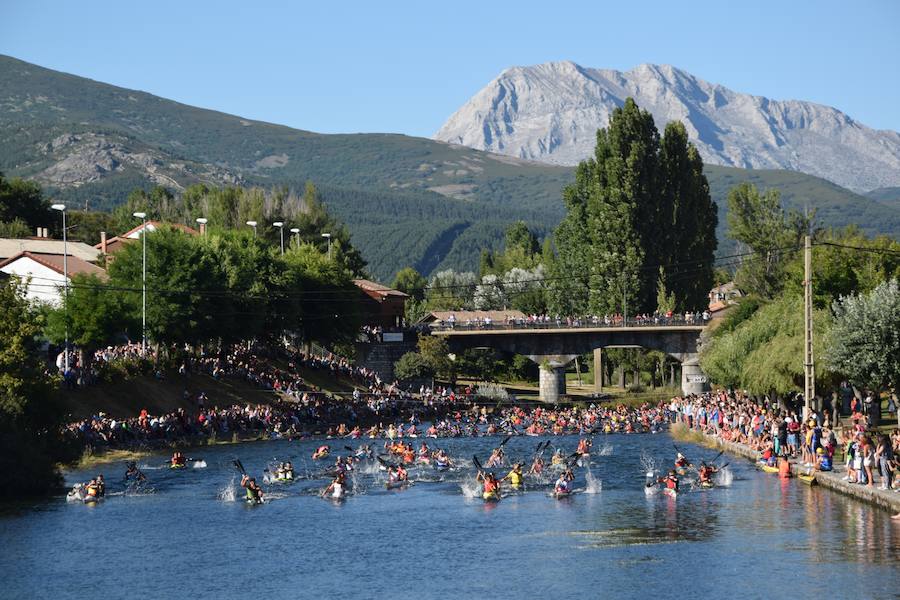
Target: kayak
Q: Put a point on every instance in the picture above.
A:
(177, 466)
(807, 479)
(767, 468)
(671, 492)
(253, 501)
(707, 484)
(491, 497)
(441, 466)
(681, 470)
(393, 485)
(92, 499)
(560, 494)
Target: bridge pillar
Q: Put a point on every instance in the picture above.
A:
(598, 369)
(693, 379)
(552, 383)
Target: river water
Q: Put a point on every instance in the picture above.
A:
(193, 537)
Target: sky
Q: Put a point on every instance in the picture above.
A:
(404, 67)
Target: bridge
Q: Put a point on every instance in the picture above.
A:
(555, 347)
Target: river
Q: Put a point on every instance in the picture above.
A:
(193, 537)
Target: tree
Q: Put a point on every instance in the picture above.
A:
(436, 353)
(449, 290)
(409, 281)
(97, 315)
(864, 343)
(412, 366)
(760, 223)
(665, 301)
(637, 204)
(30, 413)
(22, 200)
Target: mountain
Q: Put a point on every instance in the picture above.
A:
(551, 112)
(889, 196)
(407, 201)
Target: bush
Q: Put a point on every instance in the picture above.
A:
(492, 391)
(413, 365)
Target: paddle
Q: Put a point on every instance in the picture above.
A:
(477, 463)
(349, 449)
(503, 443)
(239, 466)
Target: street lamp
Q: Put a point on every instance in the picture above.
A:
(253, 225)
(202, 221)
(143, 217)
(62, 208)
(296, 232)
(327, 236)
(280, 226)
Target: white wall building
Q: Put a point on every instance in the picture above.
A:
(43, 274)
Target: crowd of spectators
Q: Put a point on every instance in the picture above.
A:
(779, 429)
(465, 321)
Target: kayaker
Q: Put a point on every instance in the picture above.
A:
(397, 474)
(91, 490)
(490, 485)
(514, 476)
(705, 473)
(134, 473)
(336, 487)
(670, 480)
(496, 458)
(178, 460)
(537, 466)
(681, 462)
(254, 492)
(557, 458)
(563, 483)
(584, 447)
(101, 486)
(321, 452)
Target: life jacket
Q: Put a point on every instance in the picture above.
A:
(515, 478)
(490, 486)
(671, 483)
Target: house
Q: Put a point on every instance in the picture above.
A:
(10, 247)
(723, 296)
(112, 245)
(45, 273)
(380, 305)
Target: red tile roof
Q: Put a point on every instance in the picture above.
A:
(55, 262)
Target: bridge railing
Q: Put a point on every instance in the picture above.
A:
(700, 319)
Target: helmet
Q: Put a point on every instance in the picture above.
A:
(820, 451)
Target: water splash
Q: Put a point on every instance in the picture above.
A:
(592, 484)
(605, 450)
(724, 477)
(470, 488)
(651, 491)
(199, 464)
(227, 493)
(649, 464)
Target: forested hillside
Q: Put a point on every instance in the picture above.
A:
(407, 201)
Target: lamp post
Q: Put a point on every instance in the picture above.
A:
(202, 221)
(327, 236)
(143, 217)
(253, 225)
(62, 208)
(296, 233)
(280, 226)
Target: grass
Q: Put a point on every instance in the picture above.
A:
(681, 433)
(92, 459)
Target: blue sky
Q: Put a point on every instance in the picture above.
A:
(406, 66)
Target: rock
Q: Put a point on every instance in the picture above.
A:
(551, 113)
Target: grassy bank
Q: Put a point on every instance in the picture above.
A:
(680, 432)
(92, 459)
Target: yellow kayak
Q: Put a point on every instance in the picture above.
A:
(807, 479)
(768, 469)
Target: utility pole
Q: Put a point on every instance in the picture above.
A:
(809, 365)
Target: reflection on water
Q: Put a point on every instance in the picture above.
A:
(760, 530)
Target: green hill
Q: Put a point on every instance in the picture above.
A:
(889, 196)
(406, 200)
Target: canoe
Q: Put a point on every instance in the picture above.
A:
(807, 479)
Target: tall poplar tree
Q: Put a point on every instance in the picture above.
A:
(638, 204)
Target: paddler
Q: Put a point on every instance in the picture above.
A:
(287, 471)
(705, 473)
(515, 476)
(563, 483)
(681, 462)
(101, 485)
(397, 474)
(490, 485)
(321, 452)
(134, 473)
(336, 487)
(92, 490)
(537, 466)
(254, 492)
(670, 480)
(178, 460)
(557, 458)
(584, 447)
(496, 458)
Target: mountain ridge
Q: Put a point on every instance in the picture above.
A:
(551, 112)
(406, 200)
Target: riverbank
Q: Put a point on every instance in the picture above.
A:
(834, 480)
